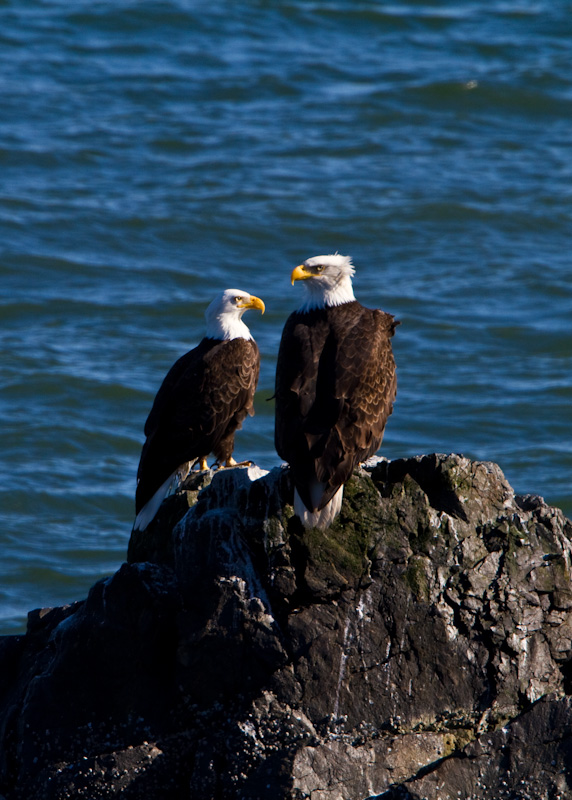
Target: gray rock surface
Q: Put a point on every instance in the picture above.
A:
(421, 648)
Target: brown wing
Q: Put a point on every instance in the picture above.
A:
(335, 389)
(366, 385)
(297, 369)
(203, 398)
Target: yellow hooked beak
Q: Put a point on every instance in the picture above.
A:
(300, 273)
(254, 302)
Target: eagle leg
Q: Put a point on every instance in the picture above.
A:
(230, 462)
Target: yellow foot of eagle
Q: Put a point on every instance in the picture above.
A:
(230, 462)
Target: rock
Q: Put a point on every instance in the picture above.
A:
(420, 648)
(522, 760)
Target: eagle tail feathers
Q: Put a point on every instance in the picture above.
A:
(169, 487)
(321, 518)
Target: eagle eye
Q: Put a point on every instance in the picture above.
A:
(237, 299)
(319, 268)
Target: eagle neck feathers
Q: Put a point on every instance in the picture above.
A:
(226, 328)
(319, 296)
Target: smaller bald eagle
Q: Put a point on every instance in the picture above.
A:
(335, 386)
(202, 401)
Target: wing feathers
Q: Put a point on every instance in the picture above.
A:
(203, 399)
(335, 387)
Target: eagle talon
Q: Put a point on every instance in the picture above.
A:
(230, 462)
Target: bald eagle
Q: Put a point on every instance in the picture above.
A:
(202, 401)
(335, 386)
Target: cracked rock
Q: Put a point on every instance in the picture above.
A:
(420, 648)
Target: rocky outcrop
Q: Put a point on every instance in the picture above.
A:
(421, 648)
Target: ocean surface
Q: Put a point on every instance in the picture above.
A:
(152, 153)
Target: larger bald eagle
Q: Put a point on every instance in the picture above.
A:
(202, 401)
(335, 386)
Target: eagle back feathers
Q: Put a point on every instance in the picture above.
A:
(335, 389)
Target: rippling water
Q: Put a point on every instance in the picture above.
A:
(154, 152)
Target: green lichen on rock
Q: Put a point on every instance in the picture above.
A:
(344, 553)
(361, 507)
(339, 557)
(353, 534)
(415, 576)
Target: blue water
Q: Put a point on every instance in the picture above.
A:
(152, 153)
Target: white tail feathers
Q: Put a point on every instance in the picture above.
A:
(149, 510)
(319, 519)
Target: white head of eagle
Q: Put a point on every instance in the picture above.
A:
(327, 280)
(201, 403)
(335, 386)
(224, 315)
